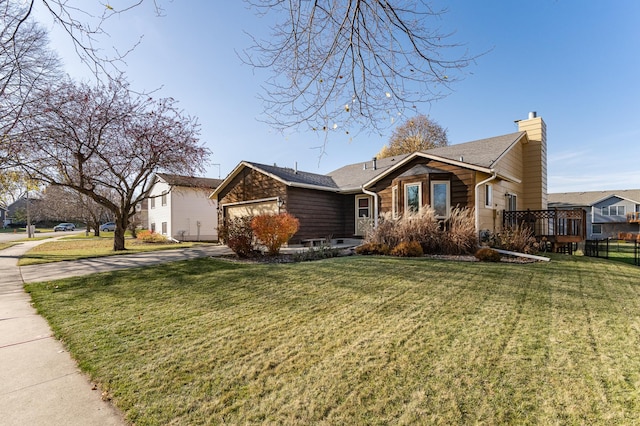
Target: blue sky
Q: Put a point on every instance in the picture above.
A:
(574, 62)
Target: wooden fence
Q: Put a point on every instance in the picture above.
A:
(555, 225)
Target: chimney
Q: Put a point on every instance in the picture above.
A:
(534, 162)
(375, 163)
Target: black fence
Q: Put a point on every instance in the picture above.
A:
(636, 252)
(597, 248)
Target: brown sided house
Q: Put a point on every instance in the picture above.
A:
(494, 175)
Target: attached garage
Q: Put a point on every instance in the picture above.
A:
(250, 208)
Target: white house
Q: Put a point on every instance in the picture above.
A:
(179, 207)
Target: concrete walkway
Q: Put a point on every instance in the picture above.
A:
(40, 384)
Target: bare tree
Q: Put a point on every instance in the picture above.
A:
(104, 139)
(84, 23)
(63, 204)
(352, 64)
(26, 65)
(416, 134)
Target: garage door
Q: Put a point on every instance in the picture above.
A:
(251, 209)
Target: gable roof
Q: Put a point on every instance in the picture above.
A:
(589, 198)
(351, 177)
(482, 155)
(189, 181)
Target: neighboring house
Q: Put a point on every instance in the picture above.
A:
(180, 208)
(21, 209)
(3, 216)
(608, 212)
(507, 172)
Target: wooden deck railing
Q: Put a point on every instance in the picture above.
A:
(633, 217)
(555, 225)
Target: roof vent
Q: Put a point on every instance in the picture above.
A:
(461, 159)
(532, 114)
(364, 166)
(375, 163)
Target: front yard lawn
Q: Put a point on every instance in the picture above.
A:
(81, 247)
(358, 340)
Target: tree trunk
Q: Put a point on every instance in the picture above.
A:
(118, 237)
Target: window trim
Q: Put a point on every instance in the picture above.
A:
(599, 225)
(488, 195)
(394, 201)
(406, 196)
(447, 184)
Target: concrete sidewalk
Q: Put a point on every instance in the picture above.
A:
(40, 384)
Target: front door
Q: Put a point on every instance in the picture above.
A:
(364, 216)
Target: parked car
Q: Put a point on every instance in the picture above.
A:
(65, 226)
(109, 226)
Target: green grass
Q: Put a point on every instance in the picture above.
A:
(81, 247)
(358, 340)
(621, 251)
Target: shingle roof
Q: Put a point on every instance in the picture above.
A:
(481, 153)
(353, 176)
(587, 198)
(189, 181)
(292, 176)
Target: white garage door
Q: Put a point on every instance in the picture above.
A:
(251, 209)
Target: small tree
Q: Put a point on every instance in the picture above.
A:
(274, 230)
(237, 234)
(416, 134)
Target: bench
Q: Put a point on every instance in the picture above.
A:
(314, 242)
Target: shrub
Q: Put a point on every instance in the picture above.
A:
(148, 236)
(274, 230)
(487, 254)
(373, 248)
(316, 253)
(422, 227)
(460, 234)
(517, 238)
(237, 234)
(408, 249)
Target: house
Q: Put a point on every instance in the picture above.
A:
(4, 220)
(608, 213)
(507, 172)
(180, 208)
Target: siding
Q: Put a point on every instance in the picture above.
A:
(461, 182)
(159, 213)
(321, 213)
(190, 206)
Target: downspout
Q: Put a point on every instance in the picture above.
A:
(489, 179)
(375, 205)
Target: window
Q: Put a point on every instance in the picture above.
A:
(164, 228)
(394, 202)
(596, 228)
(488, 195)
(512, 202)
(613, 211)
(164, 198)
(152, 202)
(363, 207)
(412, 197)
(440, 200)
(153, 227)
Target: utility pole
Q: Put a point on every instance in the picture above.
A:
(29, 233)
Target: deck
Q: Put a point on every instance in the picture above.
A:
(558, 227)
(633, 217)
